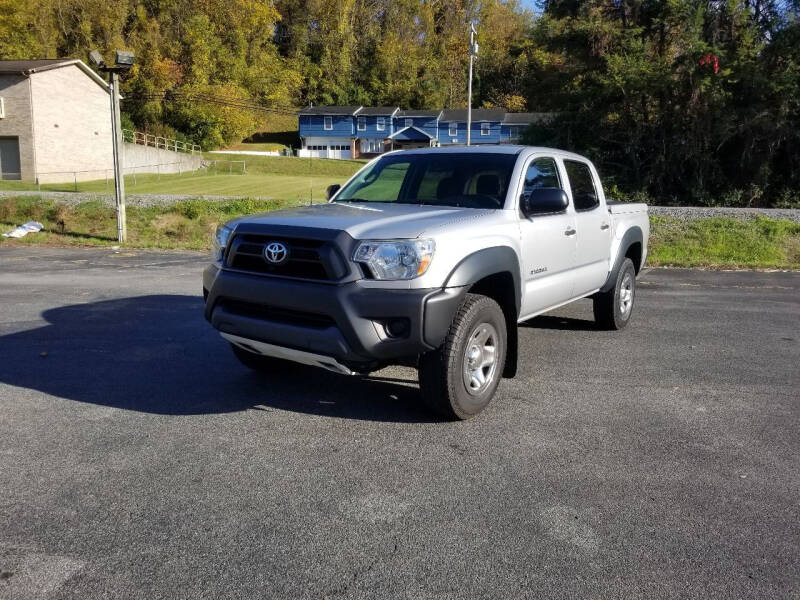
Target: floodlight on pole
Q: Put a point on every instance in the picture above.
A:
(473, 51)
(123, 62)
(97, 59)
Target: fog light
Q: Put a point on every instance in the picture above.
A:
(398, 328)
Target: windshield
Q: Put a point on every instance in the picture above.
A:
(466, 179)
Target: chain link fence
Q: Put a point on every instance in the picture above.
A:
(102, 180)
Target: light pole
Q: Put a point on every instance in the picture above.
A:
(123, 62)
(473, 51)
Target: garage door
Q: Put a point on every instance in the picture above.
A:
(339, 151)
(316, 151)
(9, 158)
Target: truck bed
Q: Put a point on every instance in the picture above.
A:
(625, 208)
(626, 216)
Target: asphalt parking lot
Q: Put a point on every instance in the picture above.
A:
(138, 459)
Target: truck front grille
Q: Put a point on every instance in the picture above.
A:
(278, 315)
(308, 258)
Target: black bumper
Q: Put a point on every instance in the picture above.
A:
(345, 321)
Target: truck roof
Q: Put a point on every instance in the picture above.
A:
(499, 149)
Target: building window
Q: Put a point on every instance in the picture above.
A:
(380, 124)
(514, 133)
(372, 146)
(362, 123)
(409, 122)
(328, 124)
(452, 129)
(484, 128)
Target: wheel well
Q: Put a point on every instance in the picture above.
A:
(634, 252)
(500, 288)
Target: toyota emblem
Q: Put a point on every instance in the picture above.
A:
(276, 253)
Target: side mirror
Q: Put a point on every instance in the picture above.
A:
(544, 201)
(332, 189)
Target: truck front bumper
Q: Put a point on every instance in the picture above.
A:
(359, 327)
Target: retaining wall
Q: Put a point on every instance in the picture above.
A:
(146, 159)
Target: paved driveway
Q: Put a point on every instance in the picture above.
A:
(139, 460)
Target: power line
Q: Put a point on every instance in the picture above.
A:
(240, 104)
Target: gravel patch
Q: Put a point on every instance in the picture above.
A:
(705, 212)
(147, 200)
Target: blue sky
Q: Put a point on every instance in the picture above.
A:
(531, 4)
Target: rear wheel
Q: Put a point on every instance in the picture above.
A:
(458, 379)
(612, 309)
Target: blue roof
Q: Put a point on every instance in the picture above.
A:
(411, 134)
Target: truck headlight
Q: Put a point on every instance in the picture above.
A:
(220, 241)
(397, 259)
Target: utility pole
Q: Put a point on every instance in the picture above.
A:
(119, 181)
(473, 50)
(124, 61)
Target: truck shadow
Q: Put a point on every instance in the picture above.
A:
(156, 354)
(561, 323)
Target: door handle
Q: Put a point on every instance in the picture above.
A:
(604, 226)
(569, 232)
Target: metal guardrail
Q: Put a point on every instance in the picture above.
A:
(157, 141)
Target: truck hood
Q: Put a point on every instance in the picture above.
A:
(367, 220)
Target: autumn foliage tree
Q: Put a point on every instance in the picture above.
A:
(679, 101)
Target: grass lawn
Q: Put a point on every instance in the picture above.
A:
(716, 242)
(186, 225)
(275, 177)
(725, 242)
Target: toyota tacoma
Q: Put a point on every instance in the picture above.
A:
(427, 258)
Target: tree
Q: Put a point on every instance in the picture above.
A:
(675, 99)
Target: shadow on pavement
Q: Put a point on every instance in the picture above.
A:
(157, 354)
(563, 323)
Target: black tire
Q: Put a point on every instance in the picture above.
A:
(260, 363)
(613, 309)
(443, 373)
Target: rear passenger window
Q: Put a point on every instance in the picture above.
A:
(584, 194)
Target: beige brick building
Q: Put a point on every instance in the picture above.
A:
(55, 121)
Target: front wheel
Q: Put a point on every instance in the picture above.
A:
(458, 379)
(612, 309)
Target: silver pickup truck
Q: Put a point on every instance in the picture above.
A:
(427, 258)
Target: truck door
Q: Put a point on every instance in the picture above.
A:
(548, 244)
(592, 223)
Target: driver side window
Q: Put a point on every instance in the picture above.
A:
(542, 172)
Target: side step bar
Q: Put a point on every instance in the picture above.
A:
(298, 356)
